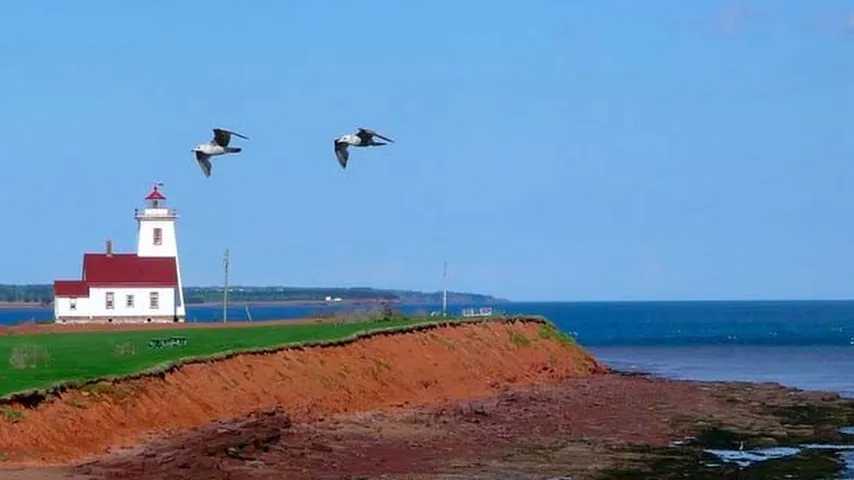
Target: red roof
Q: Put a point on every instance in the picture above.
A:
(119, 270)
(70, 288)
(129, 269)
(155, 195)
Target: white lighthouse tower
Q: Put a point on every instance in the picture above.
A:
(156, 237)
(156, 227)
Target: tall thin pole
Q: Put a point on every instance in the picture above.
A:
(225, 290)
(445, 289)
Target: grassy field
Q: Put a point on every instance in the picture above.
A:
(40, 361)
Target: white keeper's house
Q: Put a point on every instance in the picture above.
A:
(141, 287)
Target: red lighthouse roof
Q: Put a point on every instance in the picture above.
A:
(119, 270)
(155, 195)
(129, 269)
(70, 288)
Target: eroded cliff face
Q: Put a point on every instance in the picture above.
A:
(421, 368)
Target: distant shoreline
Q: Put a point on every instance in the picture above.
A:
(14, 305)
(27, 305)
(259, 303)
(372, 301)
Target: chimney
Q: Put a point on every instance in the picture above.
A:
(109, 248)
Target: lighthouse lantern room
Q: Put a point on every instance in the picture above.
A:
(141, 287)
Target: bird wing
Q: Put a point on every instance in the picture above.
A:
(204, 162)
(342, 153)
(222, 136)
(366, 134)
(384, 138)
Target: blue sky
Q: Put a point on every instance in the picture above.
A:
(563, 151)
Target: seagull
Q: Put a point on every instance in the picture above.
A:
(217, 146)
(362, 138)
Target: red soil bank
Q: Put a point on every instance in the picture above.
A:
(422, 368)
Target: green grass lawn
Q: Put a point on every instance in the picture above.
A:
(29, 362)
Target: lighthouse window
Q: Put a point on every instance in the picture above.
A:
(110, 303)
(72, 304)
(158, 236)
(129, 302)
(154, 300)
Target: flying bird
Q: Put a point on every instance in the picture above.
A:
(217, 146)
(362, 138)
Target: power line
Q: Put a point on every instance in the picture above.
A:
(225, 262)
(445, 289)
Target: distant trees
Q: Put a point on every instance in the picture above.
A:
(26, 293)
(278, 294)
(43, 294)
(307, 294)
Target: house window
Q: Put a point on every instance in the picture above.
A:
(158, 236)
(72, 304)
(154, 300)
(110, 302)
(129, 302)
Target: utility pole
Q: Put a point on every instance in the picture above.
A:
(225, 290)
(445, 289)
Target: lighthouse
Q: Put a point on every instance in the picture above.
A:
(156, 238)
(141, 287)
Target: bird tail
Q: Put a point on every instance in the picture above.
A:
(233, 149)
(376, 144)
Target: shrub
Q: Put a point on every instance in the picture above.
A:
(115, 390)
(124, 349)
(75, 403)
(29, 356)
(11, 415)
(519, 339)
(100, 388)
(548, 331)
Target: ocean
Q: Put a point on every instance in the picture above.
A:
(803, 344)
